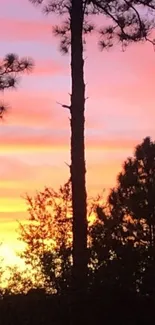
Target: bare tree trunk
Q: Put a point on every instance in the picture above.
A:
(78, 169)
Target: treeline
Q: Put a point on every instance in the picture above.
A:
(121, 254)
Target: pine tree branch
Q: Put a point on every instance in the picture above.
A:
(64, 106)
(10, 67)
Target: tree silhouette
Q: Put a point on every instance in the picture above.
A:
(116, 254)
(136, 189)
(48, 238)
(125, 236)
(17, 281)
(47, 235)
(125, 22)
(10, 67)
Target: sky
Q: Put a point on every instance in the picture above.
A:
(35, 133)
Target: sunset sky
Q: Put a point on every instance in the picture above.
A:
(34, 134)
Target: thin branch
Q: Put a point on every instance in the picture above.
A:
(65, 106)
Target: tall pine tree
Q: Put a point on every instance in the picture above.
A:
(126, 21)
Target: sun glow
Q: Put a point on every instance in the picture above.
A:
(9, 255)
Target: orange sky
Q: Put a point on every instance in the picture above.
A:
(35, 132)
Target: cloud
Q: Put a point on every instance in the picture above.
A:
(35, 109)
(103, 176)
(24, 167)
(49, 67)
(18, 177)
(30, 172)
(29, 108)
(122, 89)
(20, 30)
(32, 139)
(129, 76)
(112, 144)
(14, 170)
(47, 138)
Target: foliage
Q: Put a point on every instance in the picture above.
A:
(10, 67)
(17, 281)
(2, 271)
(136, 189)
(48, 237)
(125, 21)
(123, 239)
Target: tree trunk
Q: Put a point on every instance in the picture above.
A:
(78, 169)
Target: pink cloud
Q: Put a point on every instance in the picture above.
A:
(111, 144)
(17, 171)
(40, 109)
(42, 142)
(14, 1)
(119, 70)
(35, 109)
(13, 169)
(26, 178)
(123, 85)
(27, 142)
(20, 30)
(49, 67)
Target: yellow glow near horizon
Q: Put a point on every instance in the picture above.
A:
(15, 205)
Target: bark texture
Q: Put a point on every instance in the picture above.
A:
(78, 169)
